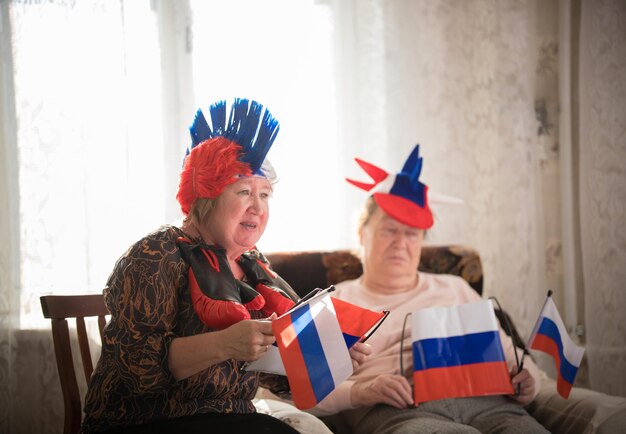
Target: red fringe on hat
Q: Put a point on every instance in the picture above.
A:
(208, 169)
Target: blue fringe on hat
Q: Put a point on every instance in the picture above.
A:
(407, 182)
(249, 125)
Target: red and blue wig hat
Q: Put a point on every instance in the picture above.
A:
(402, 196)
(219, 155)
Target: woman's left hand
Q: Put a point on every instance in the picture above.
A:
(359, 353)
(526, 384)
(247, 340)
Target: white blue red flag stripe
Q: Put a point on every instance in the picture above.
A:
(457, 352)
(313, 351)
(551, 337)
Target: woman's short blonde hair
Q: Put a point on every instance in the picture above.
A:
(201, 210)
(368, 211)
(366, 214)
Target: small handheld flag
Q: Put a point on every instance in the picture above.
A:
(355, 321)
(312, 343)
(457, 353)
(550, 336)
(313, 351)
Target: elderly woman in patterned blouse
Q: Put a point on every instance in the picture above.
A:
(190, 305)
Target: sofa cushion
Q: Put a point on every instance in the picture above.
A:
(319, 269)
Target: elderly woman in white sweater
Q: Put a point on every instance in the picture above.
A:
(378, 398)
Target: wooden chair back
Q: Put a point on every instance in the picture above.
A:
(60, 308)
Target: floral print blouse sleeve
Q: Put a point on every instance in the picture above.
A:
(142, 296)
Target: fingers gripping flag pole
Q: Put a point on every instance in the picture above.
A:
(457, 353)
(550, 336)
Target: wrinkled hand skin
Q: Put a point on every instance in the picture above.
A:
(526, 384)
(248, 340)
(390, 389)
(359, 353)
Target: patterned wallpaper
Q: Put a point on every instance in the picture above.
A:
(478, 87)
(603, 189)
(463, 87)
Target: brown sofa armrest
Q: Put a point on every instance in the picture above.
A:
(457, 260)
(304, 271)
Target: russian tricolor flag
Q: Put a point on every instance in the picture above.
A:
(550, 336)
(354, 321)
(457, 352)
(313, 341)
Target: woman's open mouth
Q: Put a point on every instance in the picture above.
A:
(250, 226)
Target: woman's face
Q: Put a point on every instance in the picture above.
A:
(390, 248)
(240, 215)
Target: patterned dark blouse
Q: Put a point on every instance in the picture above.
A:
(150, 304)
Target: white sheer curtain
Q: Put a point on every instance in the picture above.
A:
(280, 52)
(601, 162)
(89, 140)
(84, 172)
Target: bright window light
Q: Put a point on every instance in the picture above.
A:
(87, 86)
(280, 52)
(93, 164)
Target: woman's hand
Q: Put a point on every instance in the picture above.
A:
(390, 389)
(526, 384)
(359, 353)
(248, 340)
